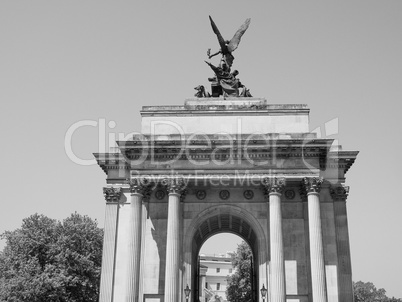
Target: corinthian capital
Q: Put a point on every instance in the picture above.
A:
(273, 185)
(339, 192)
(112, 194)
(140, 185)
(310, 185)
(175, 185)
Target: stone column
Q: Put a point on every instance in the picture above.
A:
(139, 189)
(202, 286)
(273, 190)
(112, 196)
(312, 187)
(339, 194)
(176, 190)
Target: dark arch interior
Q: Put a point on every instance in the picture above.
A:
(222, 223)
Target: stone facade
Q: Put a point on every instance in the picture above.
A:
(238, 165)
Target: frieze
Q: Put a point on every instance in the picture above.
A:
(251, 106)
(208, 107)
(236, 151)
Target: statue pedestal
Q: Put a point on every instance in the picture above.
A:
(229, 116)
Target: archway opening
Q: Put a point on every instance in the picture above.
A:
(224, 219)
(215, 266)
(225, 269)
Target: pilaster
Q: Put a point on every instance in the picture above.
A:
(339, 194)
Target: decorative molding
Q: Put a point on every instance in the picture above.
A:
(339, 192)
(112, 194)
(201, 194)
(310, 185)
(248, 194)
(160, 194)
(290, 194)
(273, 185)
(224, 194)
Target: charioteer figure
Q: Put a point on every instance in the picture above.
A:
(225, 82)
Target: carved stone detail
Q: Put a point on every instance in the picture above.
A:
(313, 184)
(290, 194)
(201, 194)
(224, 194)
(310, 185)
(175, 185)
(248, 194)
(112, 194)
(141, 185)
(339, 192)
(273, 185)
(160, 194)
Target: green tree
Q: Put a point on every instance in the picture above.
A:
(239, 284)
(52, 261)
(367, 292)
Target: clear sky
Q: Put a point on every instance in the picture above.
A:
(62, 62)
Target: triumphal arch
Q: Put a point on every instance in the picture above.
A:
(226, 162)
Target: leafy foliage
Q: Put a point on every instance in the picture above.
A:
(239, 284)
(367, 292)
(52, 261)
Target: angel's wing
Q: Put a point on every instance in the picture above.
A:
(217, 33)
(237, 36)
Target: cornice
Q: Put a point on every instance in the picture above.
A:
(341, 159)
(219, 106)
(135, 152)
(110, 161)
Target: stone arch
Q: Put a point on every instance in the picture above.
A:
(226, 218)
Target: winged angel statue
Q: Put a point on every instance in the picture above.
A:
(225, 82)
(227, 47)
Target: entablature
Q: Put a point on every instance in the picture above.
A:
(221, 154)
(235, 106)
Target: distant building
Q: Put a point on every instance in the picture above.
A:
(214, 272)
